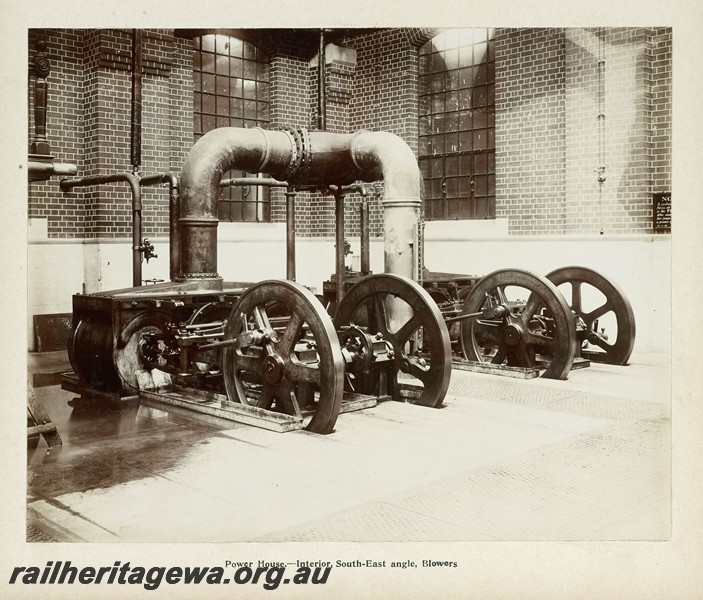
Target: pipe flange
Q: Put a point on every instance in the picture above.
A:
(303, 173)
(296, 154)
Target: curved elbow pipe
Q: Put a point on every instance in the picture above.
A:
(133, 181)
(301, 158)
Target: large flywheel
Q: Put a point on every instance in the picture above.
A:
(284, 354)
(606, 326)
(396, 334)
(520, 319)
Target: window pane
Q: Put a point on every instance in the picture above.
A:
(209, 123)
(223, 106)
(230, 88)
(222, 85)
(452, 187)
(236, 108)
(249, 89)
(452, 166)
(208, 61)
(235, 47)
(249, 69)
(208, 83)
(451, 143)
(262, 91)
(236, 87)
(222, 65)
(248, 51)
(208, 43)
(209, 105)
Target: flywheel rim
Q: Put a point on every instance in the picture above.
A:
(618, 352)
(435, 373)
(269, 373)
(516, 335)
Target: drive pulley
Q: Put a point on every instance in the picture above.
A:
(395, 335)
(517, 318)
(605, 320)
(281, 353)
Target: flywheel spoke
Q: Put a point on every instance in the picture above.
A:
(289, 374)
(597, 313)
(290, 335)
(372, 306)
(544, 321)
(401, 336)
(621, 340)
(301, 372)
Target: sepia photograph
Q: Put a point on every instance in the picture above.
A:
(325, 302)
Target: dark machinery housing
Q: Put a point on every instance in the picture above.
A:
(274, 347)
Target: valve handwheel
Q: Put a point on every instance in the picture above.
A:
(398, 310)
(531, 324)
(287, 357)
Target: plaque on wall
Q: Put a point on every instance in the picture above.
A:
(662, 212)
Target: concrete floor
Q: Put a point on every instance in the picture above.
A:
(505, 459)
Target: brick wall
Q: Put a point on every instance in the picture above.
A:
(89, 125)
(530, 152)
(65, 129)
(660, 142)
(551, 86)
(573, 105)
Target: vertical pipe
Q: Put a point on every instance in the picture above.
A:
(339, 245)
(137, 247)
(174, 233)
(41, 68)
(136, 120)
(321, 105)
(365, 239)
(290, 233)
(133, 181)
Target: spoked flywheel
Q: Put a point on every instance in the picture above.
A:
(392, 332)
(520, 320)
(285, 355)
(606, 323)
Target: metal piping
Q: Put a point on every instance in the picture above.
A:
(42, 170)
(133, 181)
(290, 233)
(321, 98)
(173, 231)
(136, 118)
(301, 158)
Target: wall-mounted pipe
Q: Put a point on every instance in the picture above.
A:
(299, 157)
(365, 241)
(136, 102)
(173, 230)
(133, 181)
(42, 170)
(290, 233)
(321, 98)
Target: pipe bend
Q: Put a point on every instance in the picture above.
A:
(384, 155)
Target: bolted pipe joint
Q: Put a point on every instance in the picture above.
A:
(301, 158)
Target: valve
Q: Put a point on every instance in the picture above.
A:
(148, 249)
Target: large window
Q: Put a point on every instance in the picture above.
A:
(231, 89)
(457, 124)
